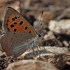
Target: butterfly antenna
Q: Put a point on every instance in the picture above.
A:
(41, 16)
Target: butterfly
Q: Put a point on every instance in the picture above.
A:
(19, 34)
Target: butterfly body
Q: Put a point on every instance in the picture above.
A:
(19, 33)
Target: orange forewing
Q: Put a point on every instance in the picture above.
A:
(10, 14)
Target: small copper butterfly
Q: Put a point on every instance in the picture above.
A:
(19, 36)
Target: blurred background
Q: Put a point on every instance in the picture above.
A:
(50, 18)
(32, 9)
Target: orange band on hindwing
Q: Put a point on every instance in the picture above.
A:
(5, 47)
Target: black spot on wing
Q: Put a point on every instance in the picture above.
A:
(21, 23)
(11, 25)
(15, 22)
(15, 36)
(7, 20)
(7, 24)
(29, 31)
(14, 33)
(19, 17)
(15, 30)
(21, 34)
(26, 28)
(8, 29)
(13, 19)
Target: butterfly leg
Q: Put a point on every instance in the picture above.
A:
(38, 51)
(35, 44)
(33, 48)
(34, 51)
